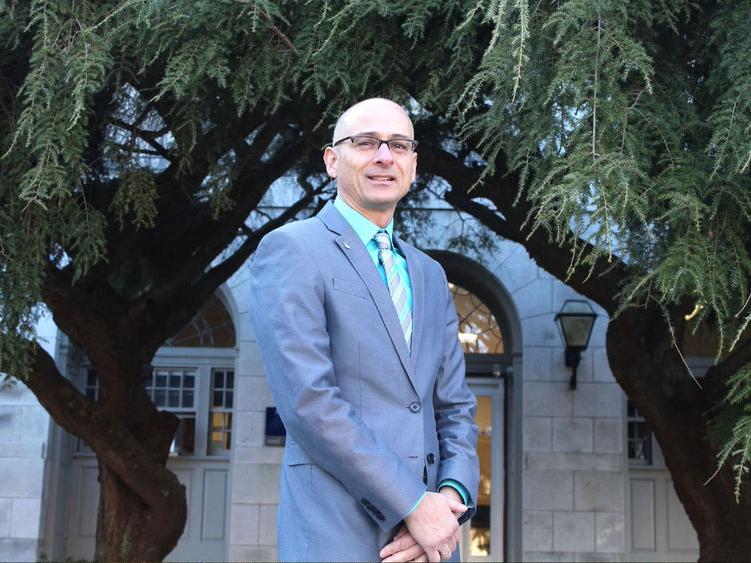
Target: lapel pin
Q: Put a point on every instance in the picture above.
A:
(346, 244)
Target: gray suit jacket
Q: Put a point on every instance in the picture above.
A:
(370, 426)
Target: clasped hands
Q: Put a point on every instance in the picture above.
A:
(430, 532)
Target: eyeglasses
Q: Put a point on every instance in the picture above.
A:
(366, 143)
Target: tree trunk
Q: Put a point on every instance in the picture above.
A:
(128, 529)
(645, 363)
(130, 525)
(142, 507)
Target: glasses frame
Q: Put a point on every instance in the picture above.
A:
(387, 142)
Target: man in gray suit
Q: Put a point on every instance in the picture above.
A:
(358, 335)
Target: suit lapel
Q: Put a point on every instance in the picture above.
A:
(358, 257)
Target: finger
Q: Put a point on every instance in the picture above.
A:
(398, 544)
(421, 558)
(407, 555)
(403, 530)
(434, 556)
(456, 507)
(456, 539)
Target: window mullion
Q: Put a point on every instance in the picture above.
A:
(203, 400)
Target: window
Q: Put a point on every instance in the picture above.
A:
(192, 378)
(173, 389)
(220, 415)
(640, 451)
(212, 327)
(479, 332)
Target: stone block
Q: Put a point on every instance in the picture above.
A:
(547, 399)
(25, 520)
(35, 424)
(267, 532)
(562, 292)
(537, 434)
(6, 511)
(517, 270)
(256, 483)
(252, 553)
(22, 449)
(598, 400)
(505, 250)
(10, 422)
(249, 360)
(573, 531)
(537, 363)
(243, 524)
(17, 394)
(258, 454)
(548, 490)
(17, 549)
(253, 394)
(601, 366)
(608, 435)
(540, 331)
(22, 478)
(537, 530)
(599, 491)
(572, 435)
(561, 372)
(247, 332)
(534, 298)
(599, 332)
(249, 428)
(573, 461)
(610, 536)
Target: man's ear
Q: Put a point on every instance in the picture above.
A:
(330, 159)
(414, 167)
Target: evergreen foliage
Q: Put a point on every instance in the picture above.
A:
(628, 122)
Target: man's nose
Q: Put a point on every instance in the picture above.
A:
(384, 154)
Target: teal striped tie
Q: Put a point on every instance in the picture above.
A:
(396, 286)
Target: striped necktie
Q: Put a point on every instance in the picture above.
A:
(395, 284)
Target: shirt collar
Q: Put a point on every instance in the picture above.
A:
(363, 227)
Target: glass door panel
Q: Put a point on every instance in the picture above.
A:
(482, 537)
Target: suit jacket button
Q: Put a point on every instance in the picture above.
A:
(431, 458)
(415, 406)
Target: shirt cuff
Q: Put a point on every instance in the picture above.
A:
(411, 510)
(459, 489)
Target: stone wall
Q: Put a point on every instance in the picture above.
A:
(254, 482)
(24, 428)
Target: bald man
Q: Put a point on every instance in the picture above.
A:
(358, 334)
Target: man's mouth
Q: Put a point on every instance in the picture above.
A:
(381, 178)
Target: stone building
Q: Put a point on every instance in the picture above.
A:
(566, 474)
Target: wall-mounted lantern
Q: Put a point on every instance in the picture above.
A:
(575, 322)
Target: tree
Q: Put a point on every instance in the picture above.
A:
(609, 137)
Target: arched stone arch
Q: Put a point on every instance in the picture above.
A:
(486, 370)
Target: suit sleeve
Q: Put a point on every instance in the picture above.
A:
(455, 407)
(288, 315)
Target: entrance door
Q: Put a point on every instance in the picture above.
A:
(201, 396)
(482, 537)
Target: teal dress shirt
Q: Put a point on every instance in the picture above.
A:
(365, 230)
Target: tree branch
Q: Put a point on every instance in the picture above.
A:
(601, 286)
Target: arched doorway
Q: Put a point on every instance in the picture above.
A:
(488, 336)
(193, 377)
